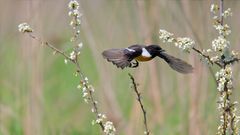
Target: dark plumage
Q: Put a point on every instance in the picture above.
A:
(123, 57)
(117, 57)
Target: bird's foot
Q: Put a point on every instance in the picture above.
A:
(134, 64)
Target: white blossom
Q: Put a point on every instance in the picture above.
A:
(229, 84)
(24, 28)
(73, 55)
(215, 17)
(73, 4)
(222, 80)
(104, 116)
(227, 13)
(221, 84)
(91, 88)
(220, 44)
(80, 45)
(84, 89)
(93, 110)
(228, 72)
(214, 58)
(86, 100)
(206, 51)
(214, 8)
(224, 76)
(109, 128)
(75, 14)
(85, 94)
(209, 50)
(223, 30)
(235, 54)
(79, 86)
(100, 118)
(184, 43)
(65, 61)
(165, 36)
(75, 23)
(78, 48)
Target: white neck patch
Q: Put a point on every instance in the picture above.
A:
(145, 53)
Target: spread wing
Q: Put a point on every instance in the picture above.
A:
(176, 63)
(118, 57)
(122, 57)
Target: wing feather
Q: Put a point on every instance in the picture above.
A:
(117, 57)
(176, 63)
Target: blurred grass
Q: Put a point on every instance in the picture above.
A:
(111, 24)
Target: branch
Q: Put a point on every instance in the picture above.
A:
(50, 46)
(147, 132)
(82, 76)
(207, 57)
(221, 11)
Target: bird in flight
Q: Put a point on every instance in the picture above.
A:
(130, 56)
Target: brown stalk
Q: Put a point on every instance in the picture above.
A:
(227, 109)
(207, 57)
(147, 132)
(81, 74)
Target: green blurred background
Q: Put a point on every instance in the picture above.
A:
(38, 94)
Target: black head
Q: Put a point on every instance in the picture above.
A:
(154, 49)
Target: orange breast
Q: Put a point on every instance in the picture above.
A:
(142, 58)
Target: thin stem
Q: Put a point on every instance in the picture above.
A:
(93, 102)
(147, 132)
(228, 107)
(225, 121)
(207, 57)
(231, 61)
(50, 46)
(221, 11)
(75, 61)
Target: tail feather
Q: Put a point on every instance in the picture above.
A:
(176, 63)
(117, 57)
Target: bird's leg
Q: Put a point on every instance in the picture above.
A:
(134, 64)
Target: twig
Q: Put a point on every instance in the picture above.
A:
(228, 107)
(82, 76)
(221, 11)
(225, 121)
(207, 57)
(49, 45)
(232, 61)
(147, 132)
